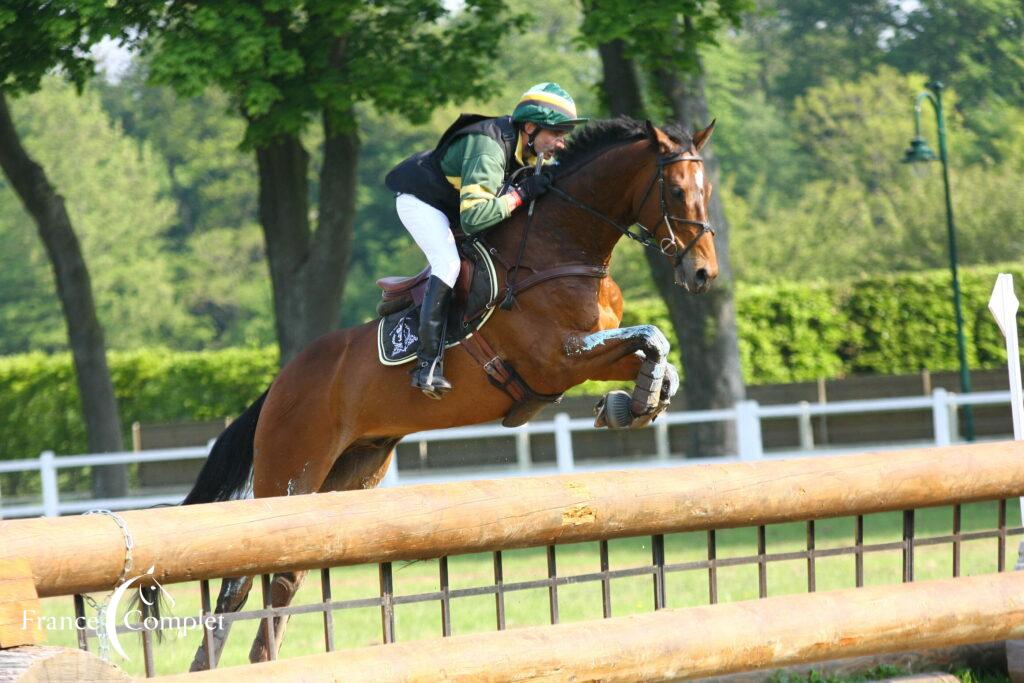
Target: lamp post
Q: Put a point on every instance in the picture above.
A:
(919, 152)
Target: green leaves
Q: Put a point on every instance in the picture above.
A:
(115, 192)
(658, 34)
(284, 64)
(36, 38)
(39, 405)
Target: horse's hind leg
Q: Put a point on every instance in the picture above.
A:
(233, 593)
(361, 466)
(282, 589)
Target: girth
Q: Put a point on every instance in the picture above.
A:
(503, 376)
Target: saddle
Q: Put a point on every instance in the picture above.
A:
(472, 297)
(399, 292)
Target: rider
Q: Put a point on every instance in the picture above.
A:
(459, 183)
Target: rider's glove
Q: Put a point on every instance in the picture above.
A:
(532, 187)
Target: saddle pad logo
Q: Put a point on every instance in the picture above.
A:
(402, 338)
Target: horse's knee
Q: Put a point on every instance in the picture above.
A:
(655, 343)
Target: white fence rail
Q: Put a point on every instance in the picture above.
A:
(746, 417)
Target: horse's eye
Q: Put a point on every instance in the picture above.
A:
(677, 192)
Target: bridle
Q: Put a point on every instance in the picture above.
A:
(667, 245)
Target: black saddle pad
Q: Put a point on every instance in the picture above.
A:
(398, 332)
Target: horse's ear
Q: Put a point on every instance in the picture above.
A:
(701, 138)
(652, 132)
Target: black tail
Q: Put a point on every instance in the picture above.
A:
(226, 472)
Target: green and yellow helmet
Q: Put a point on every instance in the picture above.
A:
(549, 106)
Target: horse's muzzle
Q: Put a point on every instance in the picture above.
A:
(694, 276)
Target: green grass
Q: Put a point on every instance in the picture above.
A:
(357, 627)
(880, 672)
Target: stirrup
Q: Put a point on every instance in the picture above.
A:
(433, 386)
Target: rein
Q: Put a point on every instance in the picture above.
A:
(666, 246)
(647, 239)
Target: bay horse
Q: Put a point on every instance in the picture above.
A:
(332, 417)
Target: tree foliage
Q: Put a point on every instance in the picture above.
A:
(858, 210)
(115, 190)
(284, 63)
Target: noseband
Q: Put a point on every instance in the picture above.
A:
(666, 246)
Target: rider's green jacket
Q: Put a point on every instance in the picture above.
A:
(475, 166)
(463, 176)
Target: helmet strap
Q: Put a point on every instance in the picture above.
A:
(530, 137)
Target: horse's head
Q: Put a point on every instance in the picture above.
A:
(674, 203)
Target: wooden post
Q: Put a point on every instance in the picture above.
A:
(44, 664)
(19, 605)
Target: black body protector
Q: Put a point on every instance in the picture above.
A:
(421, 176)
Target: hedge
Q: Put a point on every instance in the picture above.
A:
(890, 324)
(39, 406)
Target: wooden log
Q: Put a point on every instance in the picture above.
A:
(82, 554)
(926, 677)
(678, 644)
(977, 656)
(44, 664)
(19, 605)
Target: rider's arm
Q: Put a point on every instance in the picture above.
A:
(481, 163)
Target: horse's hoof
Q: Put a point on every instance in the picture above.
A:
(613, 411)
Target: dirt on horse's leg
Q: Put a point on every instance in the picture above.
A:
(282, 590)
(233, 593)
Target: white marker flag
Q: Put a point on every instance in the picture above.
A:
(1004, 306)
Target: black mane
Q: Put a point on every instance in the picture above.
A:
(597, 136)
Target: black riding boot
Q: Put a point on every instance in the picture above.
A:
(427, 375)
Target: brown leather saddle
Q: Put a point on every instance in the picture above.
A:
(399, 292)
(472, 304)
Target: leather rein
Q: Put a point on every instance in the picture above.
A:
(666, 246)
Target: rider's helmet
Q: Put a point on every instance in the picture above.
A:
(549, 106)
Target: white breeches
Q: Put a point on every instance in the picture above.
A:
(429, 227)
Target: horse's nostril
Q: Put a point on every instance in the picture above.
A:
(702, 276)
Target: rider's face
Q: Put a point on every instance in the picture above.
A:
(547, 141)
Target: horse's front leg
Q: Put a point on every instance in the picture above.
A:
(630, 353)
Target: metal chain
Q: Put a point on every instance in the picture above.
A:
(102, 637)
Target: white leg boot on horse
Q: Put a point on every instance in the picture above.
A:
(233, 594)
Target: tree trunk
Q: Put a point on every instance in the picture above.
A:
(705, 324)
(85, 335)
(619, 86)
(307, 268)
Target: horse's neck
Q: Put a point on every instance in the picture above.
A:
(562, 233)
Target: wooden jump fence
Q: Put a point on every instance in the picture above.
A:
(76, 555)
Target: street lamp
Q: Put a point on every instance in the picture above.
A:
(919, 152)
